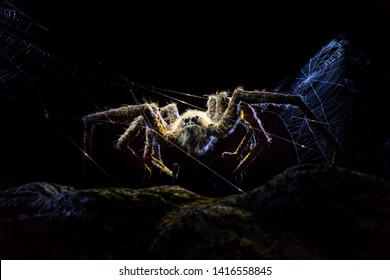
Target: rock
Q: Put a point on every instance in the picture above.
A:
(49, 221)
(339, 212)
(306, 212)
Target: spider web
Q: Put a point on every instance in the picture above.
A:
(48, 81)
(322, 83)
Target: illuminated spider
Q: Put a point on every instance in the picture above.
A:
(197, 132)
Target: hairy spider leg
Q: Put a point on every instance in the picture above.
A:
(124, 141)
(256, 131)
(157, 124)
(240, 110)
(152, 155)
(216, 105)
(145, 117)
(131, 114)
(240, 148)
(169, 113)
(294, 100)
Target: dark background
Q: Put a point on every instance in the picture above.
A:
(202, 45)
(192, 47)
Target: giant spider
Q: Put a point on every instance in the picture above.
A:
(197, 132)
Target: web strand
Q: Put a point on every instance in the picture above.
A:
(44, 62)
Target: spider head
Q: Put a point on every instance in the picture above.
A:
(191, 132)
(191, 120)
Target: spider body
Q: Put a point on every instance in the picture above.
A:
(190, 132)
(196, 132)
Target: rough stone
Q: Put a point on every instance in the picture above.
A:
(306, 212)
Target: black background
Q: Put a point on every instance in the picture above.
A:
(201, 45)
(192, 47)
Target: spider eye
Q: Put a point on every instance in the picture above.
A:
(191, 120)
